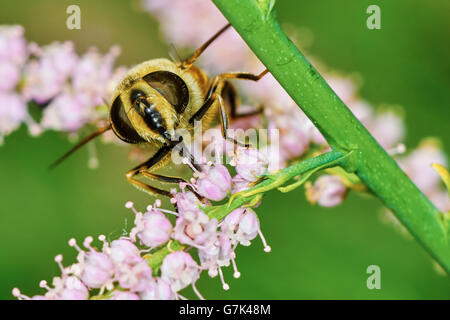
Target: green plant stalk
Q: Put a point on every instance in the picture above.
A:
(255, 21)
(276, 181)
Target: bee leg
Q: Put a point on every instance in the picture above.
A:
(160, 177)
(214, 95)
(229, 94)
(158, 156)
(243, 75)
(186, 64)
(224, 124)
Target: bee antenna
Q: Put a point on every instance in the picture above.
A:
(93, 135)
(186, 64)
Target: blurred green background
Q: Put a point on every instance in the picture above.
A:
(317, 253)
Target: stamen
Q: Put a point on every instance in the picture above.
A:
(102, 238)
(236, 273)
(87, 243)
(266, 247)
(73, 243)
(180, 297)
(225, 285)
(168, 211)
(197, 292)
(130, 205)
(16, 293)
(58, 260)
(43, 284)
(188, 162)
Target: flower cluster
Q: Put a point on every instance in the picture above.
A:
(68, 87)
(126, 268)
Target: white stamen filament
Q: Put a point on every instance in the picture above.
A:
(267, 248)
(236, 273)
(224, 284)
(197, 292)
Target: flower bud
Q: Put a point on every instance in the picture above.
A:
(179, 270)
(214, 183)
(251, 164)
(124, 251)
(124, 295)
(156, 229)
(97, 269)
(327, 191)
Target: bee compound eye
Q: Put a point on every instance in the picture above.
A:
(121, 125)
(171, 87)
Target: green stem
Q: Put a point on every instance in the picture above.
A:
(255, 21)
(277, 180)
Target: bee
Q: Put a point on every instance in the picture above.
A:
(159, 96)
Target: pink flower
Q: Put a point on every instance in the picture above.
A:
(214, 182)
(241, 226)
(327, 191)
(156, 229)
(216, 255)
(124, 295)
(251, 164)
(157, 289)
(239, 184)
(9, 76)
(90, 77)
(179, 270)
(66, 113)
(388, 129)
(97, 269)
(13, 111)
(73, 289)
(186, 202)
(46, 76)
(124, 252)
(12, 45)
(362, 110)
(417, 165)
(345, 88)
(134, 276)
(94, 268)
(65, 287)
(195, 232)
